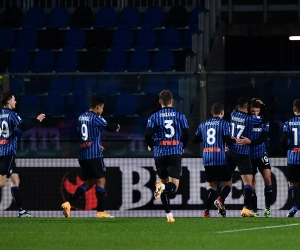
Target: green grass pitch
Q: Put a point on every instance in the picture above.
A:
(150, 233)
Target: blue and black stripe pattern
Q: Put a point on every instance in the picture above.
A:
(167, 125)
(89, 126)
(241, 125)
(9, 121)
(292, 127)
(260, 150)
(212, 132)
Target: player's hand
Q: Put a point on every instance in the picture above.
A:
(182, 150)
(149, 149)
(243, 141)
(118, 128)
(260, 101)
(102, 148)
(41, 117)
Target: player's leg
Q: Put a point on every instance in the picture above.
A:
(211, 191)
(267, 176)
(254, 196)
(3, 180)
(293, 179)
(4, 170)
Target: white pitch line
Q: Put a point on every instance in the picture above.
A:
(256, 228)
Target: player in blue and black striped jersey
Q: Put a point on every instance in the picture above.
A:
(290, 142)
(259, 159)
(241, 124)
(214, 133)
(10, 123)
(90, 157)
(171, 134)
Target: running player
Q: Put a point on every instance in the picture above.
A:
(290, 141)
(214, 133)
(90, 157)
(259, 159)
(10, 123)
(238, 155)
(171, 134)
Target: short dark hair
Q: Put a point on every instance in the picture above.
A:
(166, 97)
(217, 108)
(242, 102)
(95, 101)
(254, 103)
(6, 96)
(296, 105)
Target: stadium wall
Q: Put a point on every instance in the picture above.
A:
(46, 183)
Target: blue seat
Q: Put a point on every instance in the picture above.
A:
(130, 17)
(123, 39)
(85, 84)
(43, 62)
(61, 85)
(35, 18)
(67, 61)
(16, 85)
(187, 39)
(27, 39)
(194, 21)
(106, 18)
(75, 39)
(139, 61)
(170, 39)
(154, 17)
(116, 61)
(174, 86)
(29, 105)
(108, 84)
(59, 18)
(125, 105)
(77, 103)
(146, 39)
(163, 61)
(20, 62)
(155, 84)
(7, 39)
(54, 105)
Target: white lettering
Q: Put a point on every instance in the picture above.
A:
(167, 114)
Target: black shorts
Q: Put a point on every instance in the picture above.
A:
(168, 166)
(260, 164)
(217, 173)
(293, 172)
(243, 163)
(8, 165)
(92, 168)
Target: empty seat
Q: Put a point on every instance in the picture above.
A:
(130, 17)
(77, 103)
(61, 85)
(51, 38)
(59, 18)
(106, 18)
(83, 17)
(27, 39)
(29, 105)
(170, 39)
(139, 61)
(54, 105)
(146, 39)
(43, 62)
(155, 84)
(116, 61)
(35, 18)
(92, 60)
(163, 61)
(85, 84)
(123, 38)
(154, 17)
(177, 17)
(7, 39)
(4, 62)
(20, 62)
(194, 21)
(67, 61)
(75, 39)
(187, 39)
(12, 17)
(108, 84)
(99, 38)
(16, 85)
(125, 105)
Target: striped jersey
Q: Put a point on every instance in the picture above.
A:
(260, 150)
(292, 127)
(212, 132)
(89, 126)
(241, 125)
(167, 125)
(9, 121)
